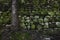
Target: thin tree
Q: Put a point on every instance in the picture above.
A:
(15, 19)
(15, 22)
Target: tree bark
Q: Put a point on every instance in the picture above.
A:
(15, 19)
(15, 22)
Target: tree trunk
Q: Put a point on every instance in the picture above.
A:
(15, 19)
(14, 25)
